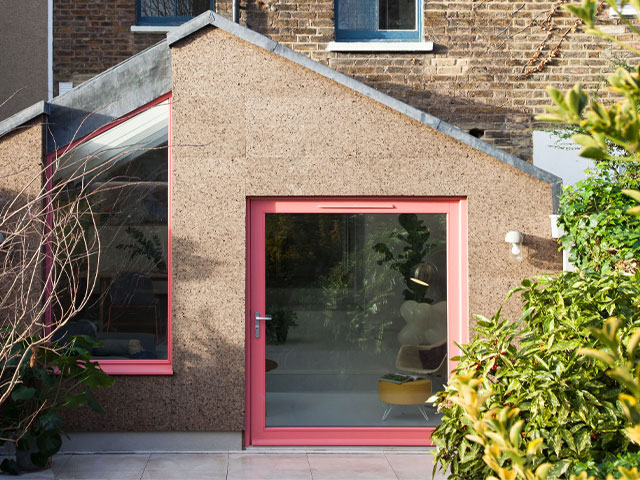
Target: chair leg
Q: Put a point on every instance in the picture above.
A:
(108, 319)
(423, 411)
(155, 315)
(387, 411)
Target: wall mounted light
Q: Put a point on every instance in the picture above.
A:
(515, 239)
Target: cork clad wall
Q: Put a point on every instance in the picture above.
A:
(248, 123)
(21, 165)
(21, 181)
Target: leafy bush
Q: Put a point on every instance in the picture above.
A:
(592, 214)
(57, 376)
(564, 398)
(609, 467)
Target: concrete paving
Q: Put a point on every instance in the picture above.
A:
(245, 465)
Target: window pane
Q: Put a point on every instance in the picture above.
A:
(157, 8)
(357, 15)
(126, 193)
(192, 8)
(172, 8)
(397, 15)
(354, 297)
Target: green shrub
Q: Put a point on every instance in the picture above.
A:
(592, 213)
(565, 398)
(56, 377)
(609, 467)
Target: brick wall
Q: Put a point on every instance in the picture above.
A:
(88, 40)
(473, 78)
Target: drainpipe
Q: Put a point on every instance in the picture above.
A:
(235, 10)
(235, 6)
(50, 49)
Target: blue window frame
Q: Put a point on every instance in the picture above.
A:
(378, 20)
(170, 12)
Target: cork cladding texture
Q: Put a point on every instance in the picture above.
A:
(247, 122)
(21, 161)
(20, 182)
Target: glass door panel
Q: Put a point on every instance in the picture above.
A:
(358, 330)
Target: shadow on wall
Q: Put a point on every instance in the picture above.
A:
(543, 253)
(206, 390)
(193, 265)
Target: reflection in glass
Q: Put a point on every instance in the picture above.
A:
(357, 15)
(173, 8)
(397, 14)
(354, 298)
(126, 170)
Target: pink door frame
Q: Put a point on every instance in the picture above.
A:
(256, 433)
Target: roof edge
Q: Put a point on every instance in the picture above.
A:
(23, 116)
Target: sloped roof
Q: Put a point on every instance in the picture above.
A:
(147, 75)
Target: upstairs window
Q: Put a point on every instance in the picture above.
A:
(170, 12)
(378, 20)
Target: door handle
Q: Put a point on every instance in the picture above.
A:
(258, 318)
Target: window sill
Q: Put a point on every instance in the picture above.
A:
(152, 28)
(380, 47)
(136, 367)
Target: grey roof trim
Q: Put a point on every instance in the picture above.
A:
(23, 116)
(110, 95)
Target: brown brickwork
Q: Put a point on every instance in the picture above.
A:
(473, 78)
(90, 37)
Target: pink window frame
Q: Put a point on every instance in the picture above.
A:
(256, 432)
(125, 367)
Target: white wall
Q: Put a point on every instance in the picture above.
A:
(565, 163)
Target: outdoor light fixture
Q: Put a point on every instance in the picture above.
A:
(515, 239)
(422, 273)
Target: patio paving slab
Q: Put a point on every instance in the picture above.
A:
(179, 466)
(251, 464)
(268, 467)
(329, 466)
(413, 466)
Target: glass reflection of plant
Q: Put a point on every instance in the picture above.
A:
(150, 249)
(282, 319)
(359, 296)
(415, 235)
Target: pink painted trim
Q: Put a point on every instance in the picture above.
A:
(256, 432)
(48, 261)
(136, 367)
(127, 367)
(355, 436)
(247, 350)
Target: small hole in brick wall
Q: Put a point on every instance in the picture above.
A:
(476, 132)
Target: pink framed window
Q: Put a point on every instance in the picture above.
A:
(122, 175)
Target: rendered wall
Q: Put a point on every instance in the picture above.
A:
(20, 183)
(249, 123)
(23, 55)
(21, 161)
